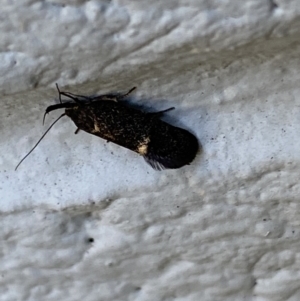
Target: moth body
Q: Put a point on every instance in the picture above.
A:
(161, 144)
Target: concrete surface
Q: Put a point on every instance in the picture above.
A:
(85, 220)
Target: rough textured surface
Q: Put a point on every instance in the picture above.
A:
(85, 220)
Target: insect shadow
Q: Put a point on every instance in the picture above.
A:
(109, 117)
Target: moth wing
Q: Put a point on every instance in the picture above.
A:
(163, 162)
(180, 154)
(155, 162)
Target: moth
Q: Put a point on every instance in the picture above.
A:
(162, 145)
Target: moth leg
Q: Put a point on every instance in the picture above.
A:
(130, 91)
(77, 130)
(111, 97)
(160, 113)
(58, 94)
(69, 94)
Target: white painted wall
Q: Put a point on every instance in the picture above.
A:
(224, 228)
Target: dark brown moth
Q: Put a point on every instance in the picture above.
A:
(162, 145)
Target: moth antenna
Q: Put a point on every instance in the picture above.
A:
(40, 140)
